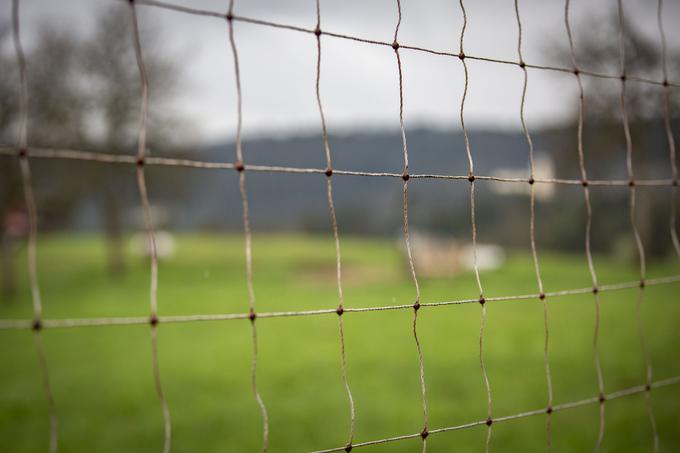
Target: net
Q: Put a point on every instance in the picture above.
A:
(24, 153)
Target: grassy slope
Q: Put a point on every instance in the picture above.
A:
(103, 382)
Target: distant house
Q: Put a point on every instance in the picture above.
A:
(544, 168)
(163, 239)
(440, 256)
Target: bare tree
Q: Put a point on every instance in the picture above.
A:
(597, 48)
(114, 92)
(83, 94)
(55, 118)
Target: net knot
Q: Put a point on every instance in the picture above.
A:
(631, 183)
(424, 433)
(541, 296)
(340, 310)
(531, 181)
(482, 301)
(471, 177)
(416, 306)
(22, 153)
(489, 421)
(153, 320)
(251, 315)
(405, 176)
(140, 160)
(675, 183)
(461, 56)
(522, 64)
(239, 166)
(623, 77)
(395, 45)
(576, 71)
(36, 325)
(642, 283)
(601, 398)
(348, 447)
(317, 31)
(229, 16)
(648, 387)
(584, 182)
(328, 172)
(665, 82)
(595, 290)
(549, 410)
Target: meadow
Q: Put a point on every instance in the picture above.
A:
(103, 382)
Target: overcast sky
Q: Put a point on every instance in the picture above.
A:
(359, 81)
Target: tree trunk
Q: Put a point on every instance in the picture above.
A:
(645, 198)
(114, 234)
(8, 269)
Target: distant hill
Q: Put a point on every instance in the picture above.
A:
(367, 204)
(199, 199)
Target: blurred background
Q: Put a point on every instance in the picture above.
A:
(84, 94)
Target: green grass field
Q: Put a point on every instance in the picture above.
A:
(103, 382)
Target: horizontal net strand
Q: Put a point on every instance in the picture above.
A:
(559, 407)
(13, 324)
(110, 158)
(254, 21)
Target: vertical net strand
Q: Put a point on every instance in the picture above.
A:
(636, 233)
(334, 227)
(148, 223)
(247, 231)
(31, 209)
(473, 225)
(532, 233)
(407, 240)
(589, 222)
